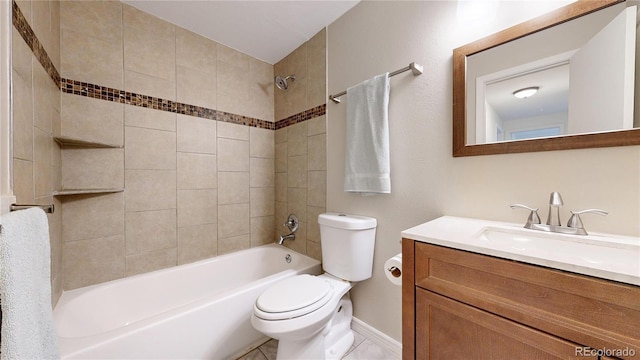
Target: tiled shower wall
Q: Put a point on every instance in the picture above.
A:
(300, 149)
(189, 125)
(194, 186)
(36, 115)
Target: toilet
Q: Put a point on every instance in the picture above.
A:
(311, 315)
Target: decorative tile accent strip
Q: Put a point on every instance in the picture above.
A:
(21, 24)
(124, 97)
(302, 116)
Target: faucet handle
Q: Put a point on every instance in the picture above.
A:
(576, 222)
(534, 218)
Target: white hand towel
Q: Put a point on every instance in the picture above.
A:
(367, 168)
(28, 330)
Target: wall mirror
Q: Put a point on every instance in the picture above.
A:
(580, 58)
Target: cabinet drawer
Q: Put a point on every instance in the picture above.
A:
(598, 313)
(448, 329)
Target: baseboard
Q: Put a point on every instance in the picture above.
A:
(379, 338)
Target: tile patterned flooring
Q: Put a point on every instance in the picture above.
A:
(362, 349)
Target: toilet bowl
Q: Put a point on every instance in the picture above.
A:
(311, 315)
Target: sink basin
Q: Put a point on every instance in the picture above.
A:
(605, 253)
(606, 256)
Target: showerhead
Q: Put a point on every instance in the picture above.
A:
(281, 82)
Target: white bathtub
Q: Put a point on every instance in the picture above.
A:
(195, 311)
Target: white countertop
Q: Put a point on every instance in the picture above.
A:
(604, 256)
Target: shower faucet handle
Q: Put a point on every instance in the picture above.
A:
(533, 218)
(292, 223)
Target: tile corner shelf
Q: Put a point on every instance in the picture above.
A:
(70, 142)
(86, 191)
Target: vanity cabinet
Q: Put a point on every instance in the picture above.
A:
(462, 305)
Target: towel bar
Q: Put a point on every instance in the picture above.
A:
(416, 69)
(47, 208)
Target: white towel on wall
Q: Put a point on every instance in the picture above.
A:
(367, 167)
(28, 330)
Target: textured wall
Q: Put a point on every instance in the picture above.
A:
(426, 180)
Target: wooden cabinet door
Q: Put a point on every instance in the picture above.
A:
(448, 329)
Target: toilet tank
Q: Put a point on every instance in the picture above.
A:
(347, 243)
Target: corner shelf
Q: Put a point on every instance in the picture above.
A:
(66, 192)
(70, 142)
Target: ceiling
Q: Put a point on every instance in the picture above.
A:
(266, 30)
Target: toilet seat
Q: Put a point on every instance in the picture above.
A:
(293, 297)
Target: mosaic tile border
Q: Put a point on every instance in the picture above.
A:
(302, 116)
(25, 30)
(95, 91)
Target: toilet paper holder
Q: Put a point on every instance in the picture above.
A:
(395, 272)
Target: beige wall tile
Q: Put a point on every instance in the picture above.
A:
(41, 22)
(317, 152)
(91, 59)
(297, 171)
(45, 94)
(197, 171)
(233, 155)
(197, 242)
(196, 135)
(300, 242)
(23, 181)
(195, 51)
(282, 213)
(21, 56)
(149, 149)
(92, 119)
(262, 230)
(297, 203)
(233, 244)
(262, 202)
(149, 85)
(232, 56)
(98, 19)
(25, 8)
(282, 156)
(149, 44)
(197, 207)
(282, 187)
(150, 230)
(262, 172)
(313, 228)
(233, 131)
(261, 143)
(233, 187)
(92, 216)
(150, 261)
(261, 90)
(317, 188)
(317, 76)
(281, 135)
(233, 220)
(149, 118)
(314, 250)
(22, 118)
(92, 168)
(317, 125)
(297, 139)
(42, 179)
(93, 261)
(150, 190)
(195, 87)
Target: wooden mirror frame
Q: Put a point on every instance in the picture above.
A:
(580, 141)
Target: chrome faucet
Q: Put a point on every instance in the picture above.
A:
(292, 224)
(574, 226)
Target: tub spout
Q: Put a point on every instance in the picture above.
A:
(291, 236)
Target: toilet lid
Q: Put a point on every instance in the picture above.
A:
(302, 292)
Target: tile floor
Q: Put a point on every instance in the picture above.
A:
(362, 349)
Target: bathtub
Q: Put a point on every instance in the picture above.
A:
(200, 310)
